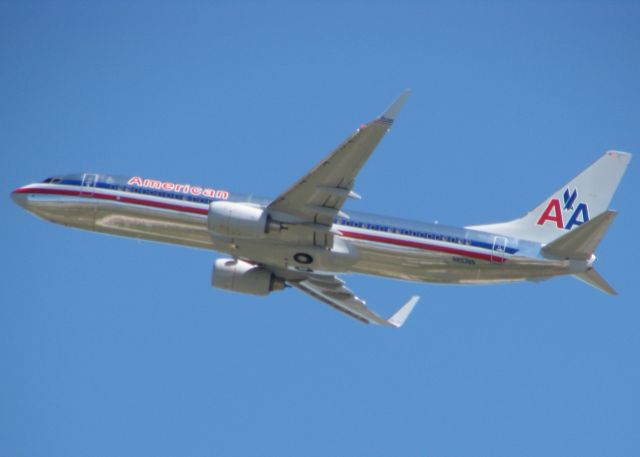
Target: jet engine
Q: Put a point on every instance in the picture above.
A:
(244, 277)
(237, 220)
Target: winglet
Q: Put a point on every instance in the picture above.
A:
(400, 316)
(392, 112)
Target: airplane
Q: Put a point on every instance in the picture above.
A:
(303, 238)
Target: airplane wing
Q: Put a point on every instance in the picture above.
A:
(317, 197)
(331, 290)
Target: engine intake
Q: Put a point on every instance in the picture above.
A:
(244, 277)
(237, 220)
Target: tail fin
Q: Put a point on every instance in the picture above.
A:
(584, 197)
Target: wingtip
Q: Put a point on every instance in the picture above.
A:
(400, 316)
(614, 152)
(392, 111)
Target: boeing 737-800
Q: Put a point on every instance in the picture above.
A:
(303, 239)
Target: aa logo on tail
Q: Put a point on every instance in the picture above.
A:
(557, 213)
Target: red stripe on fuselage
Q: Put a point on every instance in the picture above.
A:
(122, 199)
(205, 211)
(425, 246)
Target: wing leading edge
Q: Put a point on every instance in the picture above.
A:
(318, 196)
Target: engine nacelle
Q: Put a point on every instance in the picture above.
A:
(237, 220)
(244, 277)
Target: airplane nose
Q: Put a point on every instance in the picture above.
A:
(19, 198)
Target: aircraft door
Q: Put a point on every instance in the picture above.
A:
(88, 183)
(499, 249)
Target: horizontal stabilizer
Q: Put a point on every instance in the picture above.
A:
(582, 242)
(593, 278)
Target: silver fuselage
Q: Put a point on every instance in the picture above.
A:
(363, 243)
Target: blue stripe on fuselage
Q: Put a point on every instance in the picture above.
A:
(420, 233)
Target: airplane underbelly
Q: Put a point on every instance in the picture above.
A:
(420, 265)
(73, 212)
(152, 224)
(116, 218)
(407, 264)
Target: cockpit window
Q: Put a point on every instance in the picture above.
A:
(52, 180)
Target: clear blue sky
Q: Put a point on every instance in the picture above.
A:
(113, 347)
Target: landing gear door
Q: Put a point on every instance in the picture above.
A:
(499, 249)
(88, 184)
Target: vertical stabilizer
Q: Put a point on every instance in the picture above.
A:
(583, 198)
